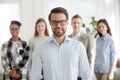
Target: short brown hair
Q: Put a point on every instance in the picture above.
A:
(76, 16)
(58, 10)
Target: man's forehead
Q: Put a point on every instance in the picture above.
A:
(59, 16)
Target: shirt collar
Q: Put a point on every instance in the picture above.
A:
(52, 39)
(105, 37)
(77, 35)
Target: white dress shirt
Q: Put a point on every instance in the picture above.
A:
(60, 62)
(77, 36)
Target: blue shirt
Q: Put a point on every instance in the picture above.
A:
(105, 54)
(60, 62)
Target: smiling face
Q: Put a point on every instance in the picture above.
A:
(102, 28)
(58, 24)
(76, 24)
(41, 27)
(14, 30)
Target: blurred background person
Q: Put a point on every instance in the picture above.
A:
(40, 35)
(105, 60)
(86, 39)
(14, 55)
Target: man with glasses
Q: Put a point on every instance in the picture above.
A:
(60, 57)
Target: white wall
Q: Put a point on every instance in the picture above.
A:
(31, 10)
(26, 17)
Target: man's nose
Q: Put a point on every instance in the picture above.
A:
(58, 24)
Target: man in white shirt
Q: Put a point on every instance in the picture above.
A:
(60, 57)
(86, 39)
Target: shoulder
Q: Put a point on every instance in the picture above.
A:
(41, 47)
(5, 44)
(98, 38)
(46, 38)
(86, 35)
(23, 42)
(75, 42)
(110, 39)
(77, 45)
(43, 43)
(32, 39)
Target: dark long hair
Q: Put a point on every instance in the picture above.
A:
(104, 21)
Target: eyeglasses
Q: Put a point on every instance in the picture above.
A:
(14, 29)
(55, 22)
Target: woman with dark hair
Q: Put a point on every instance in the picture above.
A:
(14, 55)
(40, 35)
(105, 52)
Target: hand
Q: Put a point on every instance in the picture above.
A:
(28, 77)
(110, 76)
(12, 73)
(17, 76)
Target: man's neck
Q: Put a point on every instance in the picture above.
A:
(59, 39)
(75, 33)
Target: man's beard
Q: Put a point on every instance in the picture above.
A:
(59, 34)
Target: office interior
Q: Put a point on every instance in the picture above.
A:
(28, 11)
